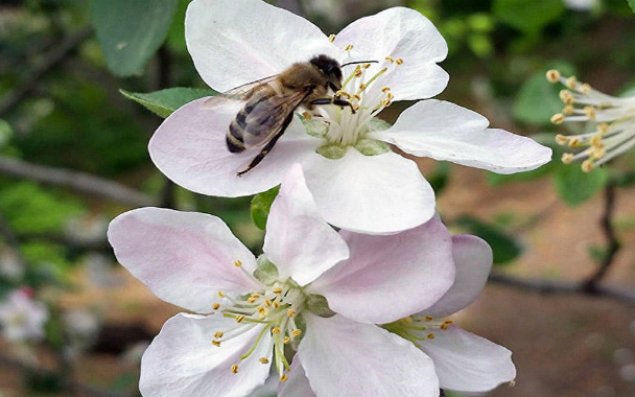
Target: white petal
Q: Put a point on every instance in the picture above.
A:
(189, 148)
(233, 42)
(183, 257)
(297, 385)
(390, 277)
(182, 362)
(401, 33)
(348, 359)
(298, 241)
(370, 194)
(473, 261)
(444, 131)
(467, 362)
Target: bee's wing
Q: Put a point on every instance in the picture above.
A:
(244, 90)
(268, 116)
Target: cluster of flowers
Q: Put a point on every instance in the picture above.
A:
(357, 312)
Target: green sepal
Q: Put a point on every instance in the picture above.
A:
(261, 205)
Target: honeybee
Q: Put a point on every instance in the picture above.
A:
(271, 102)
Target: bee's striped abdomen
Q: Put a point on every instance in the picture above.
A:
(249, 124)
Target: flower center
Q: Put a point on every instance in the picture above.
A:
(343, 127)
(418, 329)
(611, 121)
(273, 309)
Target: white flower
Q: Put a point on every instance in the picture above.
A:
(610, 122)
(21, 317)
(322, 297)
(358, 182)
(462, 361)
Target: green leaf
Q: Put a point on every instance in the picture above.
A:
(575, 186)
(537, 99)
(632, 4)
(505, 247)
(164, 102)
(260, 206)
(529, 16)
(130, 32)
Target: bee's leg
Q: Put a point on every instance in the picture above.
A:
(335, 100)
(267, 148)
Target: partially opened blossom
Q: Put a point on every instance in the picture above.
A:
(314, 290)
(21, 317)
(609, 122)
(463, 361)
(358, 181)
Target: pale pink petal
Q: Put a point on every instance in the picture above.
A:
(348, 359)
(189, 148)
(297, 385)
(298, 241)
(233, 42)
(390, 277)
(370, 194)
(182, 362)
(473, 261)
(401, 33)
(183, 257)
(467, 362)
(445, 131)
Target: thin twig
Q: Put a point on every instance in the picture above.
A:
(612, 243)
(549, 287)
(76, 181)
(52, 59)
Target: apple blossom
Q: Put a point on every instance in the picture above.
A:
(610, 122)
(315, 290)
(359, 183)
(22, 318)
(463, 361)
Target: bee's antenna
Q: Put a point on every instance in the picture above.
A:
(356, 62)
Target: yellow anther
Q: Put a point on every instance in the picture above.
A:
(429, 318)
(597, 153)
(276, 305)
(597, 141)
(390, 59)
(216, 343)
(268, 302)
(291, 313)
(356, 97)
(385, 89)
(362, 87)
(567, 158)
(603, 128)
(234, 369)
(399, 61)
(284, 378)
(561, 139)
(430, 336)
(218, 334)
(356, 107)
(296, 332)
(557, 118)
(221, 294)
(568, 110)
(348, 47)
(340, 93)
(277, 290)
(238, 263)
(240, 318)
(264, 360)
(390, 95)
(566, 97)
(574, 142)
(275, 330)
(590, 112)
(553, 76)
(331, 37)
(366, 65)
(358, 72)
(585, 88)
(286, 340)
(407, 320)
(588, 165)
(572, 82)
(262, 310)
(252, 299)
(216, 306)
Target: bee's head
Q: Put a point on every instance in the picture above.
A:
(331, 69)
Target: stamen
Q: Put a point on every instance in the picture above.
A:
(557, 118)
(553, 76)
(348, 47)
(234, 369)
(331, 37)
(390, 59)
(238, 263)
(399, 61)
(284, 378)
(264, 360)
